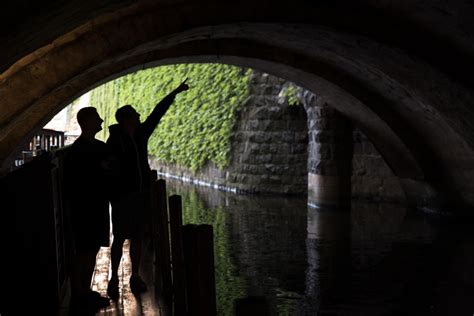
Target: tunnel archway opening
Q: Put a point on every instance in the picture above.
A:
(325, 156)
(274, 68)
(319, 63)
(240, 136)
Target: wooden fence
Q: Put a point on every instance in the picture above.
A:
(184, 256)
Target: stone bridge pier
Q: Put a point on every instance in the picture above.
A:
(342, 161)
(307, 148)
(329, 155)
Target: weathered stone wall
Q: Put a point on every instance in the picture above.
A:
(372, 178)
(342, 162)
(269, 148)
(208, 175)
(330, 153)
(270, 142)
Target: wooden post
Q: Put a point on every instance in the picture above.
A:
(42, 142)
(200, 276)
(48, 143)
(207, 290)
(154, 219)
(192, 282)
(33, 145)
(152, 214)
(179, 281)
(162, 250)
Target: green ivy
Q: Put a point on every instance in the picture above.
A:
(198, 126)
(290, 92)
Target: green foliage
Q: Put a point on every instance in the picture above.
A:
(290, 92)
(198, 126)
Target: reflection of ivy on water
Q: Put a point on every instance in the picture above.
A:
(287, 302)
(228, 285)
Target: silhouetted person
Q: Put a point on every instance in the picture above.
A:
(128, 142)
(85, 177)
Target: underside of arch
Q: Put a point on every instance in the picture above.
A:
(375, 86)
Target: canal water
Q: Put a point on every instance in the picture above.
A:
(374, 259)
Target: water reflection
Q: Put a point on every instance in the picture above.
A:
(376, 259)
(328, 248)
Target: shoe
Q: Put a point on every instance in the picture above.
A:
(88, 303)
(98, 300)
(137, 285)
(113, 288)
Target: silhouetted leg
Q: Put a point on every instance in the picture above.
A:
(84, 300)
(136, 283)
(135, 254)
(115, 257)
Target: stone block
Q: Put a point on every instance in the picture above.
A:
(329, 190)
(324, 154)
(324, 137)
(301, 137)
(322, 123)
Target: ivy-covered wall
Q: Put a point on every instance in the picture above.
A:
(269, 144)
(241, 129)
(237, 127)
(198, 126)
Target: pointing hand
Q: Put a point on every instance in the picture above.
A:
(183, 86)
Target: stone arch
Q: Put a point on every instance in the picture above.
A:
(409, 110)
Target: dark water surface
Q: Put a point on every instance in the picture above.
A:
(376, 259)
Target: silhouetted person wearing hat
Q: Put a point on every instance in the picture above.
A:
(85, 177)
(128, 142)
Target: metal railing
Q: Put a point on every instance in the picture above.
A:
(45, 140)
